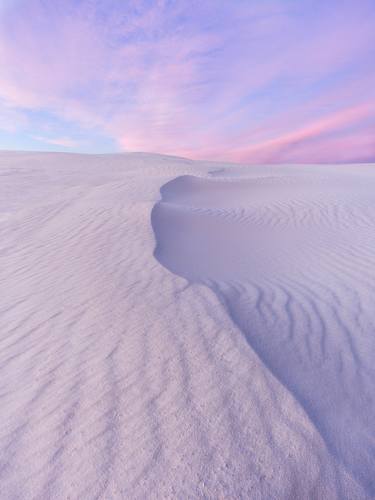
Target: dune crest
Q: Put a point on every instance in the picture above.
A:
(292, 259)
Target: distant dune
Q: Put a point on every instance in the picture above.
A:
(180, 329)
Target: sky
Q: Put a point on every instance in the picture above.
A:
(252, 81)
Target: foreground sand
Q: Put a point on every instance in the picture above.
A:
(236, 362)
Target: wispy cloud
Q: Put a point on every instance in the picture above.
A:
(294, 145)
(64, 142)
(241, 80)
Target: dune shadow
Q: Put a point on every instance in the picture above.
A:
(291, 283)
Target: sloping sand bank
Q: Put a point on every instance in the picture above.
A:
(291, 257)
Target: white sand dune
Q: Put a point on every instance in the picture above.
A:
(235, 362)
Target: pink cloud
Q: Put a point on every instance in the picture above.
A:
(65, 142)
(280, 148)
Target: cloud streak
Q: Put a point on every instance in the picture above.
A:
(248, 81)
(64, 142)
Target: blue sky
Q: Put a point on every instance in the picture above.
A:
(249, 81)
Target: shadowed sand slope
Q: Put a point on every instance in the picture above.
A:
(120, 379)
(291, 256)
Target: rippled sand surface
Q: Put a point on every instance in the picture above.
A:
(179, 329)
